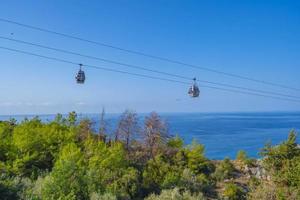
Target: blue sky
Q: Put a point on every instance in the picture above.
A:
(258, 39)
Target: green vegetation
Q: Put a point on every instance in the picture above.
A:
(282, 162)
(175, 194)
(243, 160)
(66, 159)
(224, 170)
(233, 192)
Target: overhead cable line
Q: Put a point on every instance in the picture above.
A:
(146, 68)
(149, 55)
(142, 75)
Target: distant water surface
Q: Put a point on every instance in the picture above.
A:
(223, 134)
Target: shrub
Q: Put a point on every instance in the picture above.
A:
(282, 162)
(233, 192)
(243, 160)
(275, 157)
(224, 170)
(158, 174)
(175, 194)
(262, 191)
(195, 183)
(12, 188)
(106, 196)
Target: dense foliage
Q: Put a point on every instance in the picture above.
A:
(282, 162)
(67, 159)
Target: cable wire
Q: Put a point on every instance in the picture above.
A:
(149, 55)
(142, 75)
(145, 68)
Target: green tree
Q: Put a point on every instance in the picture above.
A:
(282, 164)
(275, 157)
(197, 162)
(175, 142)
(36, 145)
(6, 134)
(108, 170)
(31, 152)
(72, 118)
(67, 179)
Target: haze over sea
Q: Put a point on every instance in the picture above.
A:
(223, 134)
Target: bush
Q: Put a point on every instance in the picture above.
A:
(243, 160)
(262, 191)
(282, 162)
(276, 157)
(175, 194)
(12, 188)
(233, 192)
(224, 170)
(106, 196)
(158, 173)
(195, 183)
(241, 156)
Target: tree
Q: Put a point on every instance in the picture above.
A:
(102, 127)
(158, 174)
(72, 118)
(66, 181)
(65, 160)
(282, 164)
(31, 152)
(176, 142)
(127, 127)
(197, 162)
(275, 157)
(108, 169)
(84, 129)
(35, 145)
(6, 134)
(155, 133)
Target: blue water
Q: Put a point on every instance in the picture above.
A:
(223, 134)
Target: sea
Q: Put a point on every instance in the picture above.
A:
(222, 134)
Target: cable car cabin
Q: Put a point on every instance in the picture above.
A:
(194, 90)
(80, 77)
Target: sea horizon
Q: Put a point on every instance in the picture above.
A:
(160, 113)
(223, 134)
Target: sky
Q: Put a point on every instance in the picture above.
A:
(255, 38)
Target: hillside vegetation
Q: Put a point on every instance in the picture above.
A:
(66, 159)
